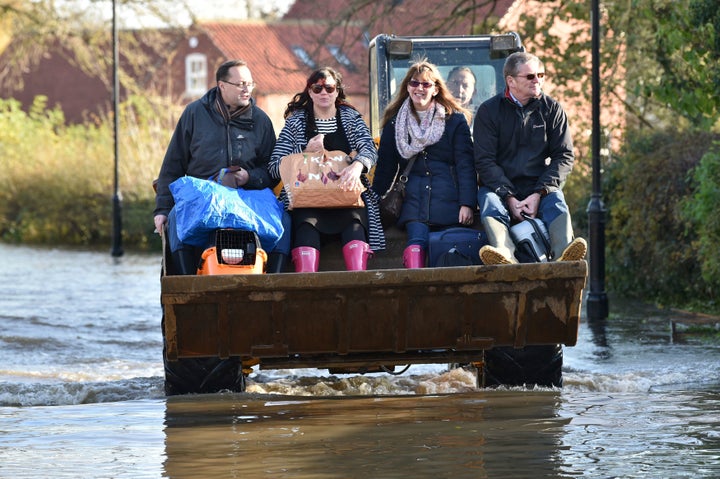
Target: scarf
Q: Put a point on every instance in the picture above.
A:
(241, 118)
(412, 137)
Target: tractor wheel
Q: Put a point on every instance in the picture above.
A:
(529, 366)
(203, 375)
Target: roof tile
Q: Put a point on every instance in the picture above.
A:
(275, 69)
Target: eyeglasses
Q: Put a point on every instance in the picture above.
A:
(243, 85)
(317, 88)
(425, 84)
(531, 76)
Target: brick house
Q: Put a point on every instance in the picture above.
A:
(280, 55)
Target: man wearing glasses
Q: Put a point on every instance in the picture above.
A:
(222, 135)
(523, 155)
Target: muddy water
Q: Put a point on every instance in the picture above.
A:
(81, 397)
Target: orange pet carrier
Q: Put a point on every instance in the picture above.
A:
(235, 252)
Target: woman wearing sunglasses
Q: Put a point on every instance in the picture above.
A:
(425, 122)
(317, 118)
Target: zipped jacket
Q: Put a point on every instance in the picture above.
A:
(204, 142)
(442, 178)
(520, 150)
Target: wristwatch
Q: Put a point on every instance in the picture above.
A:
(542, 191)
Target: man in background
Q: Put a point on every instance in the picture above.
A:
(461, 81)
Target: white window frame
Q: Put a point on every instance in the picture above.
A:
(340, 57)
(196, 74)
(303, 56)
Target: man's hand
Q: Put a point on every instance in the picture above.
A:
(514, 207)
(160, 221)
(528, 206)
(241, 177)
(466, 215)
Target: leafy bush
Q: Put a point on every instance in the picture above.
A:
(701, 211)
(650, 252)
(57, 185)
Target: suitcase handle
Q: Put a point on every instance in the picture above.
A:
(544, 240)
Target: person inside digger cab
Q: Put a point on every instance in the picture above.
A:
(424, 121)
(222, 132)
(523, 155)
(320, 117)
(461, 81)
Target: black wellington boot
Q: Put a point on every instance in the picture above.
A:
(276, 263)
(185, 261)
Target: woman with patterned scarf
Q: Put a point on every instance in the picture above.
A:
(424, 121)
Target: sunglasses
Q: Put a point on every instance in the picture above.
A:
(319, 88)
(531, 76)
(425, 84)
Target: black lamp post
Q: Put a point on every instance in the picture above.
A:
(597, 301)
(117, 249)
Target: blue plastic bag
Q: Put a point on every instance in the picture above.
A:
(202, 206)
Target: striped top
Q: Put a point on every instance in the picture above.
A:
(326, 126)
(292, 140)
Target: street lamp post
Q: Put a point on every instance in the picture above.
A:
(117, 249)
(597, 301)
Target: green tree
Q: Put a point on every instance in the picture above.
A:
(684, 42)
(83, 40)
(663, 53)
(700, 209)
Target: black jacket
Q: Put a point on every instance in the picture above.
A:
(522, 149)
(204, 142)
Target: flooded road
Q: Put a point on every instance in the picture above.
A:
(81, 396)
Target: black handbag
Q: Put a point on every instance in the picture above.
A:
(391, 203)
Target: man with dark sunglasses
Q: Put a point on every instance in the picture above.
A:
(523, 156)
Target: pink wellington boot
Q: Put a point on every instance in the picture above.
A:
(356, 254)
(414, 257)
(306, 259)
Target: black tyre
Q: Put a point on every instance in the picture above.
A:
(529, 366)
(203, 375)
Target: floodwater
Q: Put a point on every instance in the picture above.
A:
(81, 396)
